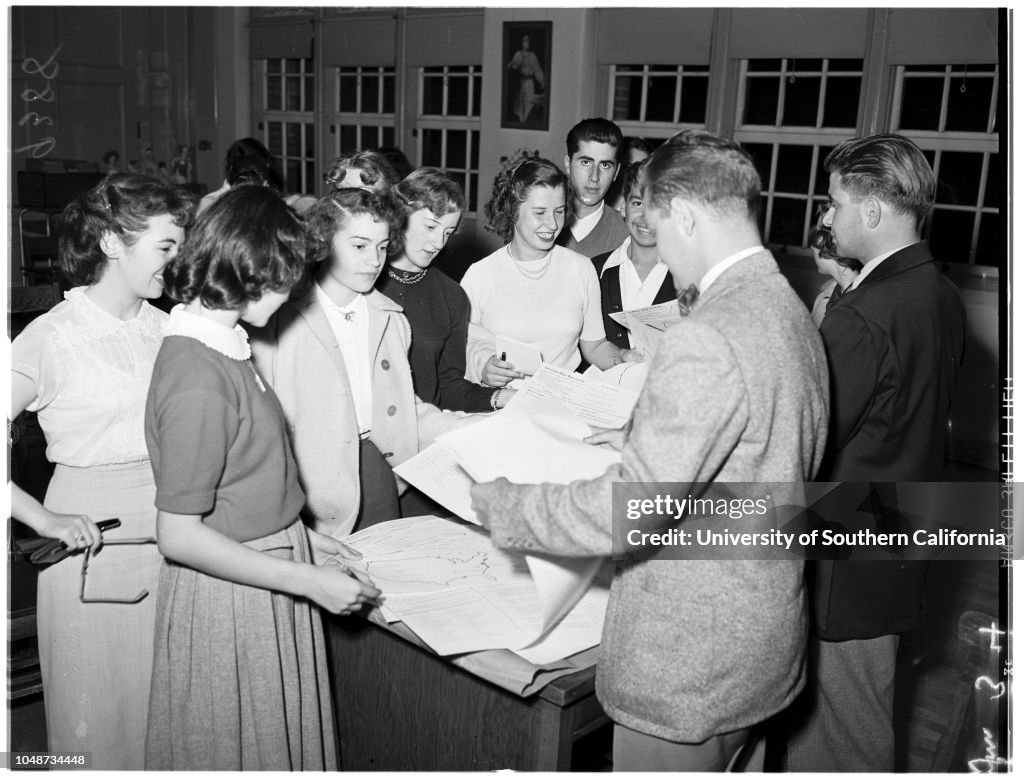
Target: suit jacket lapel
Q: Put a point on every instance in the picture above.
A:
(311, 311)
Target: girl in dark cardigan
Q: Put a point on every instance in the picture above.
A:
(437, 307)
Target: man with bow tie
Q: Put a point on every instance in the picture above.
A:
(695, 653)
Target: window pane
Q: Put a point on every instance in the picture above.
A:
(474, 149)
(273, 66)
(845, 65)
(471, 196)
(456, 149)
(432, 147)
(995, 186)
(292, 65)
(387, 136)
(968, 105)
(310, 139)
(951, 235)
(788, 221)
(762, 154)
(389, 94)
(292, 94)
(309, 104)
(274, 139)
(292, 138)
(433, 95)
(762, 101)
(922, 101)
(821, 176)
(959, 178)
(293, 175)
(661, 96)
(627, 97)
(800, 108)
(477, 82)
(842, 95)
(346, 139)
(308, 186)
(369, 98)
(458, 96)
(991, 242)
(694, 100)
(347, 92)
(764, 66)
(793, 172)
(274, 97)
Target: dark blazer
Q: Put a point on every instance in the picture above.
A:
(611, 299)
(895, 344)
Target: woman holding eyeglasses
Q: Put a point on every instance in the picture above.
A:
(84, 367)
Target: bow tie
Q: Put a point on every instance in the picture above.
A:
(687, 299)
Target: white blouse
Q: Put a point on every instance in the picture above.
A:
(552, 311)
(91, 371)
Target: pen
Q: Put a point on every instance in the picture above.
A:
(503, 356)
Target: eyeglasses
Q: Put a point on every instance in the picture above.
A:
(117, 600)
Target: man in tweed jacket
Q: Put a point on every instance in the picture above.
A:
(695, 653)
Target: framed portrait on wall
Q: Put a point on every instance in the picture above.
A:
(525, 96)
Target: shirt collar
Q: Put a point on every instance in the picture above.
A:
(582, 227)
(230, 342)
(618, 256)
(719, 268)
(874, 263)
(354, 310)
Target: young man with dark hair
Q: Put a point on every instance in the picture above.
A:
(591, 163)
(894, 341)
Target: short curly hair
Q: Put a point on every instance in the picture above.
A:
(424, 188)
(375, 171)
(329, 214)
(120, 204)
(512, 187)
(247, 242)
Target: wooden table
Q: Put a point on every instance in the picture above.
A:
(408, 709)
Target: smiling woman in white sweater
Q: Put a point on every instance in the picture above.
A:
(530, 290)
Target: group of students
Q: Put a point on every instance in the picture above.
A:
(307, 357)
(261, 419)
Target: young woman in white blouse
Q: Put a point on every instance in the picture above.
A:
(531, 290)
(85, 368)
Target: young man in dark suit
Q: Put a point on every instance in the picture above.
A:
(894, 342)
(694, 653)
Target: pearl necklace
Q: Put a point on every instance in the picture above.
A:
(412, 279)
(531, 274)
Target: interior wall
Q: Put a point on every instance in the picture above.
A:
(571, 87)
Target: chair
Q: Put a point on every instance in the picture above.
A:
(39, 247)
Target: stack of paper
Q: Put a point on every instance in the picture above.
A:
(448, 583)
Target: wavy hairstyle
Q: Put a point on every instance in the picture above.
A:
(889, 167)
(424, 188)
(121, 204)
(329, 214)
(245, 243)
(375, 172)
(512, 187)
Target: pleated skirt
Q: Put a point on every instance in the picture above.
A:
(240, 678)
(96, 658)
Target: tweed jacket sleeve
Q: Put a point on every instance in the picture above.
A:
(690, 415)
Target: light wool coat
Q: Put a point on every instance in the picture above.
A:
(299, 356)
(737, 392)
